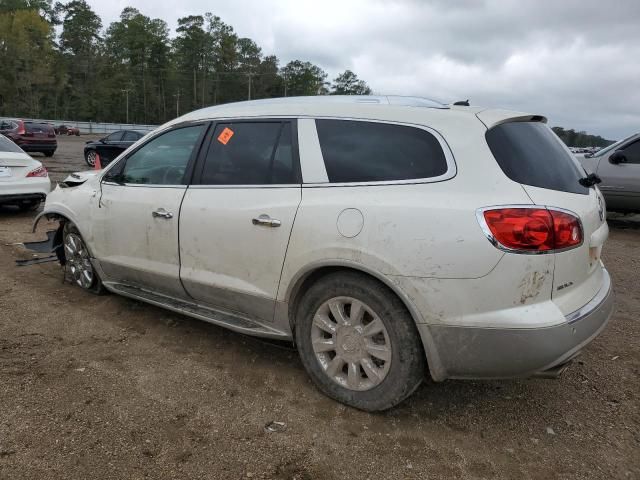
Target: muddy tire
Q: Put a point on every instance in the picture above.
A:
(358, 342)
(78, 261)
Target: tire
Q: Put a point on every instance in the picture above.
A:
(382, 384)
(90, 157)
(49, 153)
(77, 261)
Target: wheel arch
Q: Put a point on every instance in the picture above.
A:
(313, 272)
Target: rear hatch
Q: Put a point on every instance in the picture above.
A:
(531, 154)
(39, 132)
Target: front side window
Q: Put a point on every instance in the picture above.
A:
(114, 137)
(250, 153)
(632, 152)
(130, 137)
(163, 160)
(356, 151)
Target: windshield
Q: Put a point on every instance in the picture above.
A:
(613, 146)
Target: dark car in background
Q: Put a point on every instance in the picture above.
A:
(109, 147)
(30, 136)
(67, 130)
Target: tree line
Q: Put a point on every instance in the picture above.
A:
(58, 61)
(572, 138)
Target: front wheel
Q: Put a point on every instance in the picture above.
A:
(358, 342)
(90, 158)
(78, 261)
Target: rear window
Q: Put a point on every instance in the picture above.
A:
(531, 154)
(7, 145)
(37, 127)
(357, 151)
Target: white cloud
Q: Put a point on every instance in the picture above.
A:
(574, 61)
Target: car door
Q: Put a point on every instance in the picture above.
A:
(236, 218)
(621, 181)
(135, 227)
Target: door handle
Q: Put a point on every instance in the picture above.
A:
(267, 221)
(161, 213)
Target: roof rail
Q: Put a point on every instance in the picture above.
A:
(361, 99)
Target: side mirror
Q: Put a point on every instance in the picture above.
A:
(617, 157)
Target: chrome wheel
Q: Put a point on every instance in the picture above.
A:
(78, 260)
(91, 158)
(351, 343)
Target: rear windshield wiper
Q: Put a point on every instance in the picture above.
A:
(590, 180)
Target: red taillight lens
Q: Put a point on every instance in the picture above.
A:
(533, 229)
(38, 172)
(21, 129)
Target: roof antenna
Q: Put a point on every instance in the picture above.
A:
(462, 103)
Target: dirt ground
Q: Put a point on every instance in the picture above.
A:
(106, 387)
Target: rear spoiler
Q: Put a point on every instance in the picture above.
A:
(492, 118)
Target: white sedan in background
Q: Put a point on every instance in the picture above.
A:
(24, 182)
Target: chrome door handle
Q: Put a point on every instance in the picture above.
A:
(161, 213)
(266, 221)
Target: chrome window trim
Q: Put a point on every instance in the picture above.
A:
(487, 231)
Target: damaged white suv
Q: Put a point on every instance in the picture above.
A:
(384, 235)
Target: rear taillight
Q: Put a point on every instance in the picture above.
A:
(38, 172)
(21, 129)
(533, 230)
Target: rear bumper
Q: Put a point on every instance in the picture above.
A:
(475, 352)
(25, 190)
(39, 146)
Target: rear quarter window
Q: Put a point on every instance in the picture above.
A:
(531, 154)
(358, 151)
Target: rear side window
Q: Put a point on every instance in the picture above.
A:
(531, 154)
(250, 153)
(357, 151)
(7, 145)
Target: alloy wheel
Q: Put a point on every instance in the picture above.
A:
(78, 260)
(351, 343)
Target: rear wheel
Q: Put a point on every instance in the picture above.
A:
(49, 153)
(90, 158)
(78, 261)
(358, 342)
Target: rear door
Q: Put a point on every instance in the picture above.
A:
(532, 155)
(621, 181)
(236, 218)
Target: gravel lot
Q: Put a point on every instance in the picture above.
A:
(106, 387)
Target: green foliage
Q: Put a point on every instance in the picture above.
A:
(81, 72)
(348, 83)
(571, 138)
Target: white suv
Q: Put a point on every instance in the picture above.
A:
(384, 235)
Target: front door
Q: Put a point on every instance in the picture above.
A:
(621, 181)
(237, 217)
(135, 235)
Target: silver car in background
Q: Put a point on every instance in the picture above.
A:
(618, 166)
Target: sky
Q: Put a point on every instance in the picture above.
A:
(577, 62)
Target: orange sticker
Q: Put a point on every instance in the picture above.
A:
(225, 136)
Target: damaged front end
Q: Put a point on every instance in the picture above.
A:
(55, 239)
